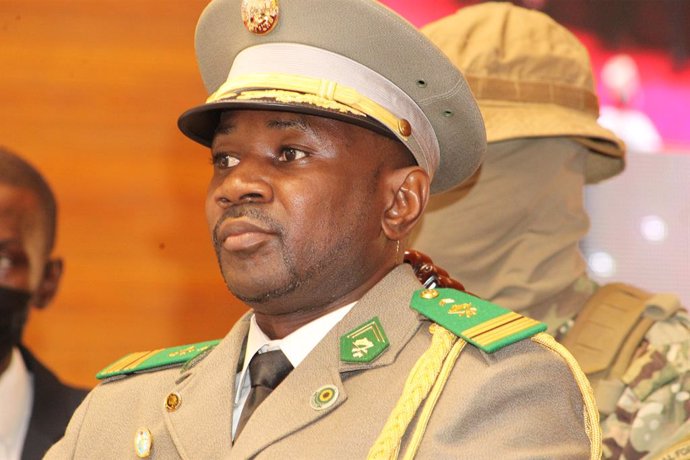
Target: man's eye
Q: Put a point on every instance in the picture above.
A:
(12, 260)
(224, 161)
(5, 262)
(289, 154)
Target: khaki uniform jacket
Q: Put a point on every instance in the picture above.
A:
(520, 402)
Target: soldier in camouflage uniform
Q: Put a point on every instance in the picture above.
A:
(652, 413)
(513, 236)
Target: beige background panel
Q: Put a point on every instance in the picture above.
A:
(90, 92)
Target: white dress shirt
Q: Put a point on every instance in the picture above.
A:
(295, 346)
(16, 400)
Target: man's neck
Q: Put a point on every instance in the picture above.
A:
(279, 326)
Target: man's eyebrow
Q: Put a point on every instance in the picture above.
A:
(298, 123)
(8, 242)
(228, 127)
(224, 128)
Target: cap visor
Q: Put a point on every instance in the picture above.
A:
(200, 123)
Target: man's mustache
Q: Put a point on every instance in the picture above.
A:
(248, 211)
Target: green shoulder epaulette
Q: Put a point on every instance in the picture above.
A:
(150, 360)
(479, 322)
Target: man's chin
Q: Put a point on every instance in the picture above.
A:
(261, 294)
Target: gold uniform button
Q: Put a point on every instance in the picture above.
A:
(172, 402)
(429, 294)
(404, 127)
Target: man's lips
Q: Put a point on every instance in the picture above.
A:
(241, 234)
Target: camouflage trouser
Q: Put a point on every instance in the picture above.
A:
(652, 416)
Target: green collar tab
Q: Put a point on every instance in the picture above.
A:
(152, 360)
(479, 322)
(364, 343)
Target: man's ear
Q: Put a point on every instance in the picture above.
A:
(52, 272)
(410, 187)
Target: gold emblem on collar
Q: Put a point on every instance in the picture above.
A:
(465, 309)
(259, 16)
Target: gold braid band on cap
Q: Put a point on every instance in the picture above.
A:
(591, 413)
(501, 89)
(305, 90)
(290, 97)
(429, 375)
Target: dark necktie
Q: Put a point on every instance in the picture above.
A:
(266, 371)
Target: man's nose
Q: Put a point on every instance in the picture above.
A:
(247, 182)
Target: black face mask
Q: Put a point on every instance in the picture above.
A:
(14, 311)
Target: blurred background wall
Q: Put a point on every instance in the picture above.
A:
(91, 91)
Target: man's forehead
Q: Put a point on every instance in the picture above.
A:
(272, 119)
(13, 197)
(19, 211)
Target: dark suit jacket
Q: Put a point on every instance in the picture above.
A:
(52, 409)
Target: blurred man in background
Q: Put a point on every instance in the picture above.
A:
(513, 238)
(35, 405)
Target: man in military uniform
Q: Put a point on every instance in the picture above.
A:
(513, 237)
(324, 150)
(36, 406)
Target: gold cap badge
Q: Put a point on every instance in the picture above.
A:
(259, 16)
